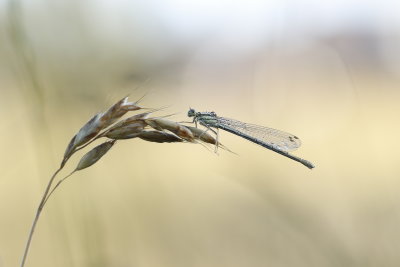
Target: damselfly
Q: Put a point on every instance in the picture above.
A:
(275, 140)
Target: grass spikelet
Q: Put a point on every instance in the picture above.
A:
(97, 123)
(159, 137)
(174, 127)
(127, 130)
(94, 155)
(116, 111)
(204, 136)
(85, 134)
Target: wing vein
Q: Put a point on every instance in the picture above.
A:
(276, 138)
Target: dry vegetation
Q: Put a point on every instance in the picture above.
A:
(110, 125)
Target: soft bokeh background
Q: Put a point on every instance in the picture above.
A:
(328, 72)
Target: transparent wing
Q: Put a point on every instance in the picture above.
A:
(279, 139)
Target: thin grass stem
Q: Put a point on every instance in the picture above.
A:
(57, 185)
(38, 212)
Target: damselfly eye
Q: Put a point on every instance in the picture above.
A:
(191, 112)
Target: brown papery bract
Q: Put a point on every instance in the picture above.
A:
(116, 111)
(174, 127)
(99, 122)
(159, 137)
(126, 130)
(85, 134)
(203, 135)
(128, 121)
(94, 155)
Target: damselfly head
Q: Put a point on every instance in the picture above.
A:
(191, 112)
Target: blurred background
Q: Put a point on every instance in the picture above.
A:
(328, 72)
